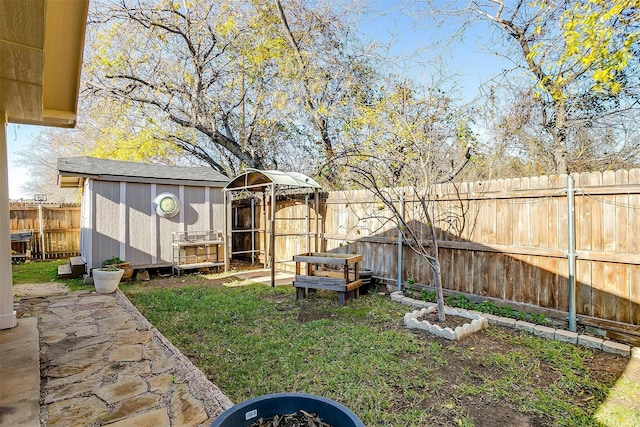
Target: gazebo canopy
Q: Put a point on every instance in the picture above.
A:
(269, 183)
(254, 179)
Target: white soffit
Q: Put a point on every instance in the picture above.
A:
(41, 44)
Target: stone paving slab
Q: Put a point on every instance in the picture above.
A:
(104, 364)
(19, 374)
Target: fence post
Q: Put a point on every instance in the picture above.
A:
(41, 222)
(253, 230)
(307, 222)
(571, 254)
(272, 238)
(400, 225)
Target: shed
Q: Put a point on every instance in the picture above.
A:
(138, 212)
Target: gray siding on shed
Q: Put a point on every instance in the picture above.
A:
(133, 231)
(194, 214)
(106, 230)
(138, 244)
(216, 199)
(166, 226)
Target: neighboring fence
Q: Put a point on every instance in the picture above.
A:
(54, 229)
(504, 239)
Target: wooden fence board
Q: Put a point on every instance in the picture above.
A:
(535, 267)
(622, 293)
(546, 297)
(480, 267)
(610, 290)
(608, 224)
(551, 222)
(538, 222)
(634, 294)
(511, 275)
(622, 223)
(492, 285)
(583, 217)
(584, 297)
(460, 279)
(596, 226)
(598, 296)
(563, 285)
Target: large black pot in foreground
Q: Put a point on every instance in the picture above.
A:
(268, 406)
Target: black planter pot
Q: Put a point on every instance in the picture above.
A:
(268, 406)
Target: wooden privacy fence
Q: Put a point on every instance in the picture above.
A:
(54, 229)
(504, 239)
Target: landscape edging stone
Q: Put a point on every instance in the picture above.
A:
(540, 330)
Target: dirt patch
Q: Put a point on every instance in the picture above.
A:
(240, 274)
(492, 414)
(467, 362)
(310, 310)
(451, 321)
(35, 290)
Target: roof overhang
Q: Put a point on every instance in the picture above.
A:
(41, 45)
(70, 181)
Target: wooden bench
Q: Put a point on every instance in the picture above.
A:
(344, 282)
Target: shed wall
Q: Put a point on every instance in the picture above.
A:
(166, 226)
(106, 221)
(139, 238)
(125, 224)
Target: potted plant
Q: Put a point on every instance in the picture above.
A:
(118, 263)
(106, 279)
(271, 405)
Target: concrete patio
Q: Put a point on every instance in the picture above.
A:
(91, 359)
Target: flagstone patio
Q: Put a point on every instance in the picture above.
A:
(102, 363)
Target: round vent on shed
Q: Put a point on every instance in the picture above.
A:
(167, 205)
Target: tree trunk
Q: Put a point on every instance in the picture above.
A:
(436, 278)
(560, 153)
(435, 264)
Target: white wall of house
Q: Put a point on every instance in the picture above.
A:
(7, 314)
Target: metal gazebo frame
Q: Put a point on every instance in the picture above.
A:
(269, 183)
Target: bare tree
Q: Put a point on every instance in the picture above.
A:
(551, 43)
(39, 157)
(325, 86)
(405, 143)
(232, 84)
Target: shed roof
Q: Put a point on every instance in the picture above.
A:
(256, 178)
(72, 171)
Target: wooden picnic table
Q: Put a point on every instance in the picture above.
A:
(339, 279)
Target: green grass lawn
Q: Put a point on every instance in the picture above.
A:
(42, 272)
(254, 340)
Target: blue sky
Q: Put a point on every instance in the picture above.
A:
(430, 50)
(388, 23)
(17, 137)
